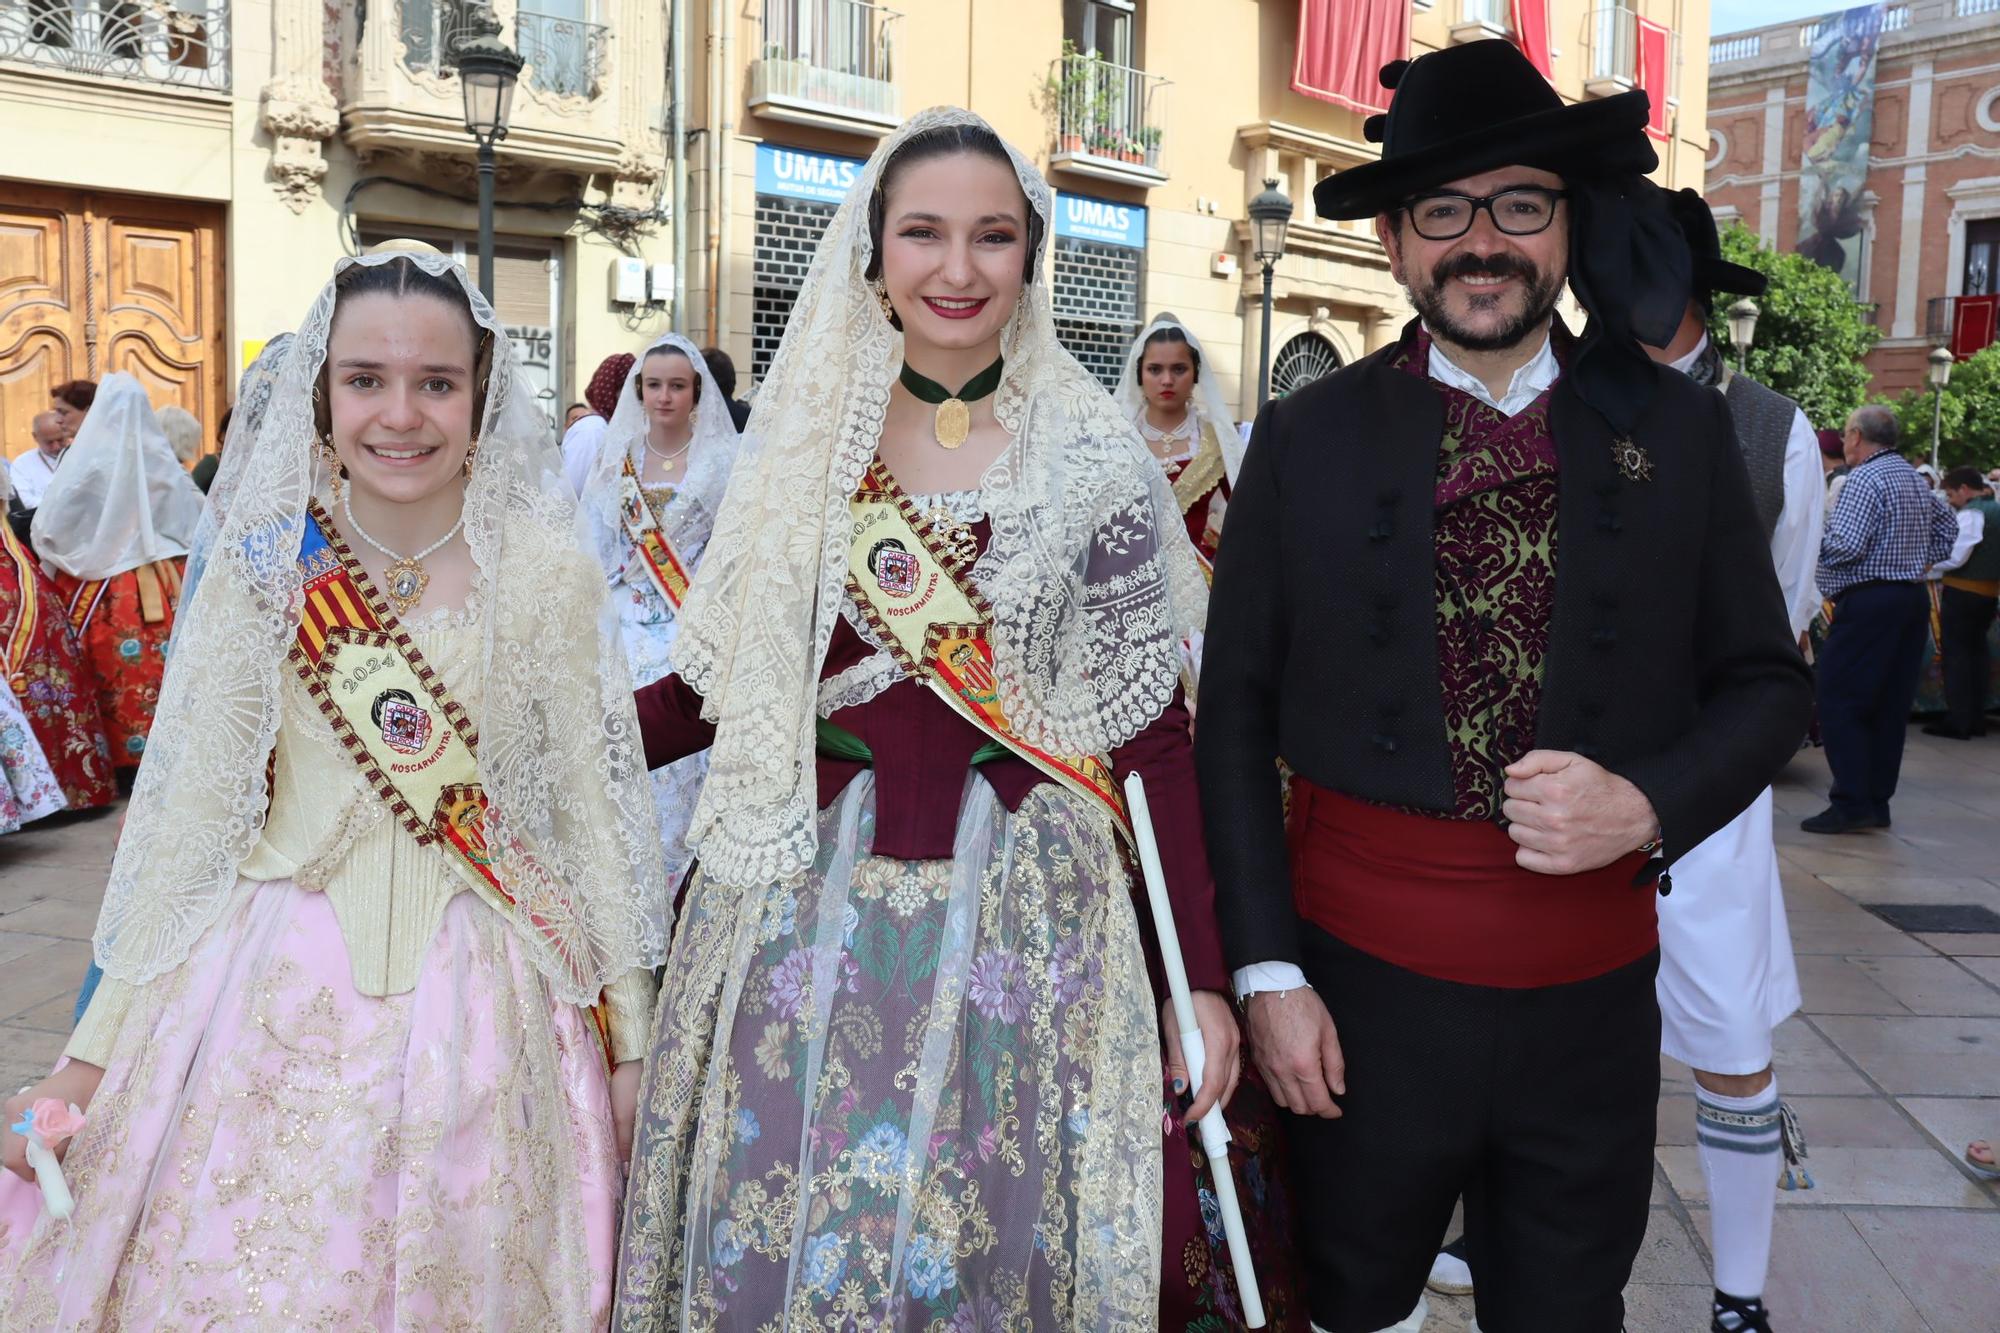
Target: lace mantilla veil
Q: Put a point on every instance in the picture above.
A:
(1089, 571)
(690, 515)
(121, 498)
(570, 824)
(1207, 401)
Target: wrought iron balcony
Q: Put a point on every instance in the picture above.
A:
(1111, 120)
(829, 63)
(1611, 35)
(184, 43)
(565, 56)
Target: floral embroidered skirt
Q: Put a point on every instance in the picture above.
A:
(57, 692)
(125, 653)
(906, 1095)
(271, 1149)
(28, 785)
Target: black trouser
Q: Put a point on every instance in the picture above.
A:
(1537, 1106)
(1963, 620)
(1868, 671)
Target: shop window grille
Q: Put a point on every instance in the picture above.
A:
(788, 231)
(1096, 296)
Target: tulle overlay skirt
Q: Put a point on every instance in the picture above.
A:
(912, 1095)
(271, 1149)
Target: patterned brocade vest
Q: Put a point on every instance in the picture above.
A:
(1495, 583)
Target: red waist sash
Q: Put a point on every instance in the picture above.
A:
(1443, 897)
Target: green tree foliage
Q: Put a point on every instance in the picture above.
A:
(1811, 334)
(1970, 419)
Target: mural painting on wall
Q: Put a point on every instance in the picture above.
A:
(1840, 120)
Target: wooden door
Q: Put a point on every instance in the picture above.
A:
(91, 283)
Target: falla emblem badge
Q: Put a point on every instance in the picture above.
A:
(1634, 463)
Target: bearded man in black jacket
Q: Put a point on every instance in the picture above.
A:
(1498, 598)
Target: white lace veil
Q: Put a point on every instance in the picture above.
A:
(1091, 577)
(121, 498)
(1207, 401)
(571, 825)
(690, 516)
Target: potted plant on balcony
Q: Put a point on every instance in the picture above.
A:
(1149, 138)
(1066, 96)
(1130, 150)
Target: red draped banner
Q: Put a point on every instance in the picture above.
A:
(1531, 32)
(1342, 47)
(1655, 73)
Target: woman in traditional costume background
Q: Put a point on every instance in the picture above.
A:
(907, 1071)
(383, 914)
(57, 695)
(1170, 392)
(652, 500)
(115, 525)
(29, 788)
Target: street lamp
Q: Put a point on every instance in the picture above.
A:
(487, 69)
(1270, 215)
(1940, 375)
(1743, 330)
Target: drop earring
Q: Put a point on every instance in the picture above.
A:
(471, 452)
(334, 471)
(882, 299)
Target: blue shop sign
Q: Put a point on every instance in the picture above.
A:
(1082, 218)
(793, 173)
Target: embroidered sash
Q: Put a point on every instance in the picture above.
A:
(392, 713)
(917, 595)
(643, 526)
(14, 651)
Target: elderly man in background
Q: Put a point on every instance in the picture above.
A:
(1884, 532)
(33, 470)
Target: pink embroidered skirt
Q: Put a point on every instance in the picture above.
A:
(270, 1148)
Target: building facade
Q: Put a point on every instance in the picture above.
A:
(1929, 215)
(177, 177)
(1155, 145)
(177, 180)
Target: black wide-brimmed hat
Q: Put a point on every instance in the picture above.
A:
(1471, 108)
(1712, 273)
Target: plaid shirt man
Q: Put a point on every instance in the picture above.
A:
(1886, 527)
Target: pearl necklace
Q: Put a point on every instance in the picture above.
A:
(674, 457)
(405, 579)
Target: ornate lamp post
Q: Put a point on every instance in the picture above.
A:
(1940, 375)
(1270, 215)
(1743, 330)
(487, 70)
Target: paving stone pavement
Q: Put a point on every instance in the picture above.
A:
(1894, 1063)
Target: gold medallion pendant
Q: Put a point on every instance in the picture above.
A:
(952, 423)
(403, 583)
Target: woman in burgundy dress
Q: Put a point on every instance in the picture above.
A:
(906, 1068)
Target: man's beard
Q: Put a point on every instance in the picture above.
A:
(1541, 295)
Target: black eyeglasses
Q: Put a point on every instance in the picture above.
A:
(1526, 211)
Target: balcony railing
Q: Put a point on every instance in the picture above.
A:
(565, 56)
(1483, 17)
(1747, 47)
(1894, 19)
(430, 28)
(1968, 8)
(828, 62)
(562, 56)
(1111, 120)
(1965, 324)
(1611, 34)
(184, 43)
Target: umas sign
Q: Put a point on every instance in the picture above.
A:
(1082, 218)
(792, 173)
